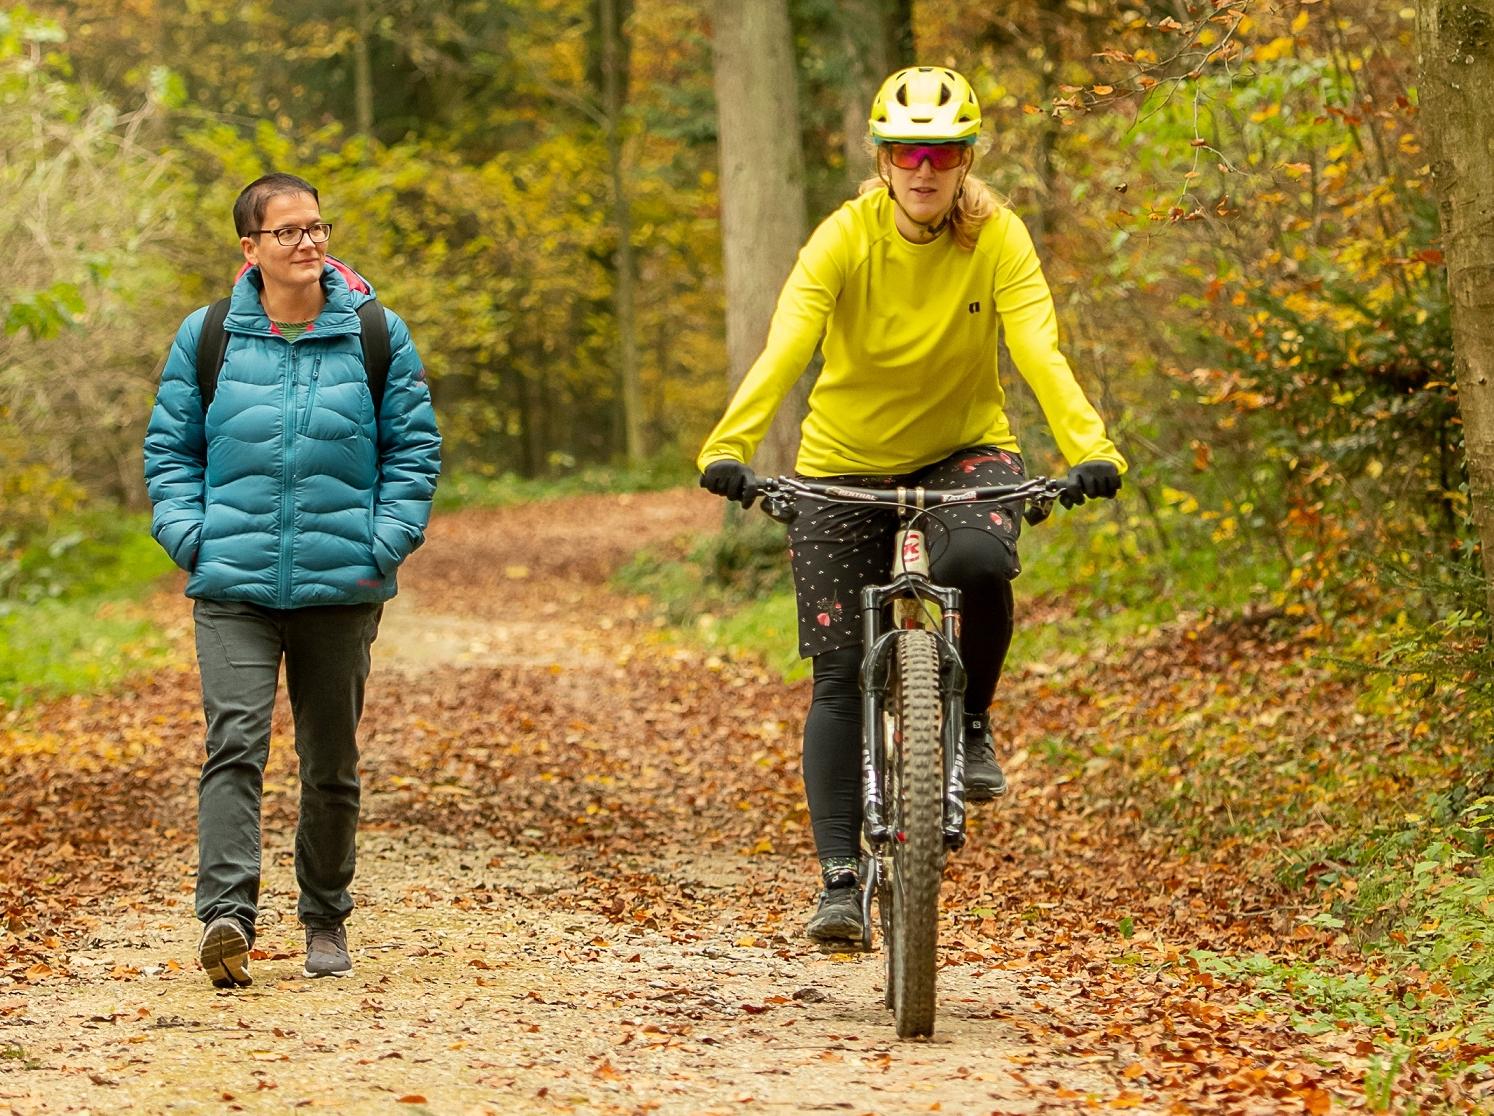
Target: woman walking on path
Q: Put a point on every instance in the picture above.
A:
(909, 285)
(290, 477)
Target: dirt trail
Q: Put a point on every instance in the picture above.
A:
(583, 869)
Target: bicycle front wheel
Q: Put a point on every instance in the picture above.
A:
(915, 803)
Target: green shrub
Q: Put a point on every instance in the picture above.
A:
(96, 552)
(69, 621)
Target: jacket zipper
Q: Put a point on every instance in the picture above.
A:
(287, 473)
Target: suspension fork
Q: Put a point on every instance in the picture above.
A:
(874, 670)
(876, 666)
(952, 680)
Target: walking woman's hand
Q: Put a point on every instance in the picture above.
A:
(731, 479)
(1092, 480)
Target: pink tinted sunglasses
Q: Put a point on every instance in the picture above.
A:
(941, 156)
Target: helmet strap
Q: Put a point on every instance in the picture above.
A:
(933, 228)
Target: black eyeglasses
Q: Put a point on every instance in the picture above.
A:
(291, 235)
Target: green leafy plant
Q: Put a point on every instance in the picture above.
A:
(69, 617)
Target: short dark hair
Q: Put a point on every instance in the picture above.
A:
(249, 209)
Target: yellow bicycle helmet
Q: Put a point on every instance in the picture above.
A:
(925, 104)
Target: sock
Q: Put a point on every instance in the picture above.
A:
(838, 872)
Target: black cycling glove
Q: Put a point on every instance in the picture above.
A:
(730, 479)
(1091, 480)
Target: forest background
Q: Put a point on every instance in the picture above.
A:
(1235, 215)
(1232, 201)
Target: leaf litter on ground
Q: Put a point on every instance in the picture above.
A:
(626, 814)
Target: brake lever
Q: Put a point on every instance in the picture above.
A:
(781, 506)
(1038, 509)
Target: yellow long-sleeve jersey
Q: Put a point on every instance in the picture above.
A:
(910, 334)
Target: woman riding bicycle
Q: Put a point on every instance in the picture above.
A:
(909, 284)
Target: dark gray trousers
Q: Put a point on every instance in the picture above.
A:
(326, 652)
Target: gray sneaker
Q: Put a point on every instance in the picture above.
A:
(984, 779)
(327, 952)
(224, 953)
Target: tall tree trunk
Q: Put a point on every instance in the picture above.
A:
(1456, 55)
(762, 191)
(902, 45)
(875, 33)
(363, 113)
(1049, 12)
(612, 14)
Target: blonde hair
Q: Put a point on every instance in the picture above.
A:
(975, 204)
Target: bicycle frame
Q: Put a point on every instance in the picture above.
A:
(910, 592)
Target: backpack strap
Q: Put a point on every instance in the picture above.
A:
(374, 335)
(212, 346)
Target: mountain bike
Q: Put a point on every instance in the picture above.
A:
(912, 703)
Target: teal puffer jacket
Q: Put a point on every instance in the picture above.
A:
(290, 491)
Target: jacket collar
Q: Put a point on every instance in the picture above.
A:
(345, 289)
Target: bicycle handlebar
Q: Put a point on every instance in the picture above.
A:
(779, 495)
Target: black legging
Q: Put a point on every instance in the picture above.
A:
(980, 566)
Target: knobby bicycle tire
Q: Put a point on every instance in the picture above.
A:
(918, 828)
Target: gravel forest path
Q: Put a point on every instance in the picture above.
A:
(583, 869)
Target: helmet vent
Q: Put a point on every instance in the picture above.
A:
(925, 104)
